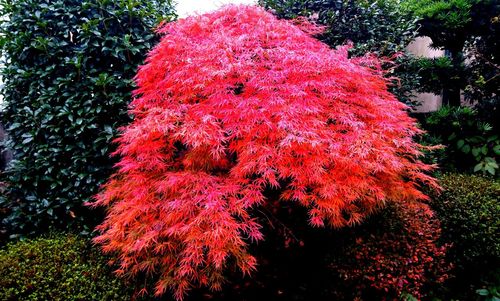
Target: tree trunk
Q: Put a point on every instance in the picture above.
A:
(452, 87)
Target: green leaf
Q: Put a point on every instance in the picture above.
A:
(492, 138)
(27, 140)
(475, 139)
(482, 292)
(108, 129)
(490, 160)
(490, 169)
(478, 167)
(16, 125)
(484, 149)
(496, 149)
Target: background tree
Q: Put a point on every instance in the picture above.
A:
(68, 68)
(380, 27)
(468, 30)
(463, 26)
(483, 61)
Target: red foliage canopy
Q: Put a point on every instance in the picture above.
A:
(233, 102)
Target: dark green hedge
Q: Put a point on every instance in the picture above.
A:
(68, 75)
(59, 267)
(469, 210)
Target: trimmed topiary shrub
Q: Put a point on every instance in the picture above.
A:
(396, 253)
(58, 267)
(67, 74)
(236, 110)
(469, 210)
(469, 31)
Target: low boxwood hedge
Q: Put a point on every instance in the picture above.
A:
(469, 210)
(58, 267)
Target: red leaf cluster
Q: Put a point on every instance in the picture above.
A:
(402, 256)
(231, 103)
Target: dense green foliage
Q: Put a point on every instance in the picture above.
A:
(470, 216)
(469, 212)
(59, 267)
(381, 27)
(483, 80)
(434, 72)
(470, 145)
(68, 75)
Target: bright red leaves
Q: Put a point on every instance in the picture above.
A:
(233, 102)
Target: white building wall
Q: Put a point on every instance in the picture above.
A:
(421, 47)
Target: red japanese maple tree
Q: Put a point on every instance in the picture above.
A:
(229, 104)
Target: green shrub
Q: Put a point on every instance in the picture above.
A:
(378, 26)
(68, 69)
(471, 145)
(469, 210)
(59, 267)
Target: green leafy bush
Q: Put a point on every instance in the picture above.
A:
(373, 26)
(59, 267)
(68, 72)
(448, 22)
(471, 145)
(469, 210)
